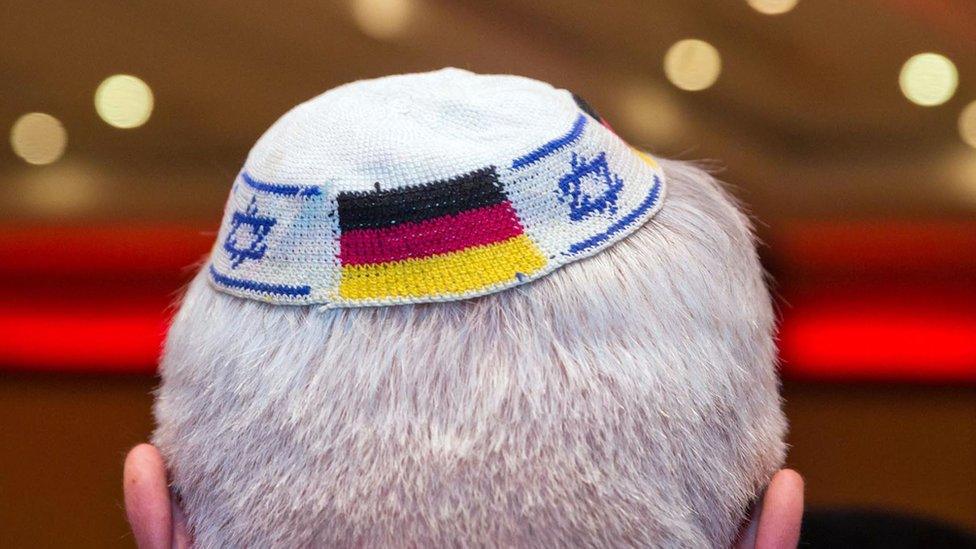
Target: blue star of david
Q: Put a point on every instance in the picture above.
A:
(590, 187)
(245, 240)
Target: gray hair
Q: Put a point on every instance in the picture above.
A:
(627, 399)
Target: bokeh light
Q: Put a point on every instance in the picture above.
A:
(124, 101)
(928, 79)
(967, 124)
(38, 138)
(773, 7)
(961, 164)
(692, 64)
(382, 19)
(69, 189)
(651, 114)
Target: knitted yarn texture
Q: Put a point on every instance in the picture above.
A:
(427, 187)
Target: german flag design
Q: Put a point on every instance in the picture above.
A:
(425, 188)
(444, 239)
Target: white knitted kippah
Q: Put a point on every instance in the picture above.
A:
(427, 187)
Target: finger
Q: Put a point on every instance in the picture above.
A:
(782, 512)
(147, 498)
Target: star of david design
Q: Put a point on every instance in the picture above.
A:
(590, 187)
(245, 240)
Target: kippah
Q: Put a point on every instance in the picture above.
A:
(427, 187)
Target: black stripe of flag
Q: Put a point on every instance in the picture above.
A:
(388, 207)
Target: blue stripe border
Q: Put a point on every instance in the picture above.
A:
(623, 222)
(552, 146)
(280, 189)
(260, 287)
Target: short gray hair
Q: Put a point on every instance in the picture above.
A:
(627, 399)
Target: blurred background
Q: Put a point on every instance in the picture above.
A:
(847, 128)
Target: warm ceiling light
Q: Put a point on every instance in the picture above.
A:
(124, 101)
(692, 64)
(773, 7)
(928, 79)
(967, 124)
(382, 19)
(38, 138)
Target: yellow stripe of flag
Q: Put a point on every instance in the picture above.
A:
(467, 270)
(648, 159)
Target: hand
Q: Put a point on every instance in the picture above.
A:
(157, 523)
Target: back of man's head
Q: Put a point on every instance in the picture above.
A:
(627, 398)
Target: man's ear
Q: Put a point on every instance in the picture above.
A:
(156, 523)
(776, 520)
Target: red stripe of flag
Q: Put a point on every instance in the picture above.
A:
(440, 235)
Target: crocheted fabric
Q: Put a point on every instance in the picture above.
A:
(427, 187)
